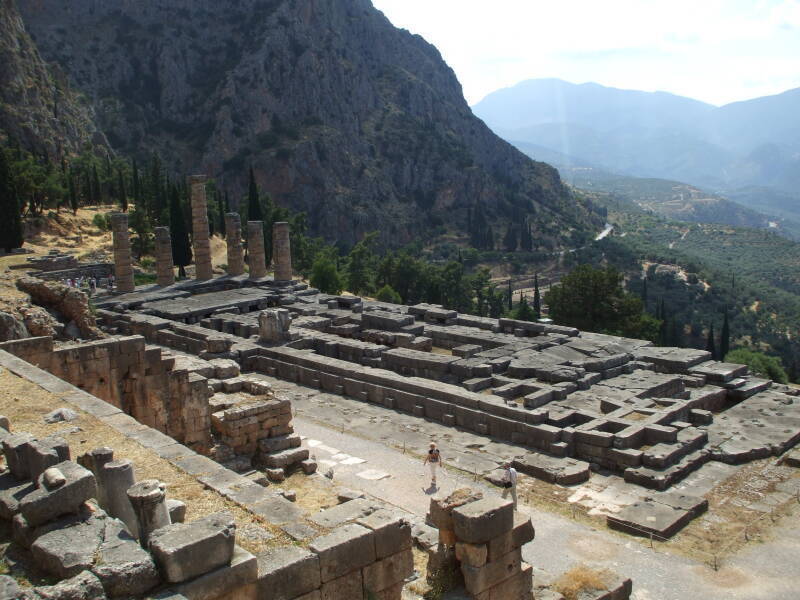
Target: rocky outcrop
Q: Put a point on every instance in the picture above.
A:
(37, 106)
(359, 124)
(11, 328)
(71, 303)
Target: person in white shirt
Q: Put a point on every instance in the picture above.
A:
(434, 459)
(510, 483)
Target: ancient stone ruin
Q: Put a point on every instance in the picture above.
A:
(195, 361)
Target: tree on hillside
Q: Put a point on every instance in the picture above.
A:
(725, 336)
(73, 192)
(510, 240)
(759, 363)
(594, 300)
(361, 264)
(254, 212)
(181, 247)
(122, 194)
(510, 296)
(526, 238)
(537, 299)
(324, 274)
(523, 311)
(388, 294)
(10, 210)
(711, 345)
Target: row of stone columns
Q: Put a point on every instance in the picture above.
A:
(165, 273)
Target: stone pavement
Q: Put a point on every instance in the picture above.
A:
(760, 571)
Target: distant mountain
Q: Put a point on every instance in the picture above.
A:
(343, 116)
(644, 134)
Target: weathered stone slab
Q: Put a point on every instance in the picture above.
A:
(521, 533)
(287, 572)
(43, 505)
(480, 579)
(388, 572)
(345, 512)
(392, 532)
(187, 550)
(344, 550)
(122, 565)
(242, 571)
(563, 471)
(480, 521)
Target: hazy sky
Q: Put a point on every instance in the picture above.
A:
(713, 50)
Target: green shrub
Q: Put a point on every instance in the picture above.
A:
(759, 363)
(102, 222)
(388, 294)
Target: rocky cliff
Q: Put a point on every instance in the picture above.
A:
(341, 114)
(37, 106)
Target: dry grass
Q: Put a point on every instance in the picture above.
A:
(580, 579)
(25, 403)
(312, 494)
(420, 585)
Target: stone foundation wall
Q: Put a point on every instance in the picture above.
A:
(139, 379)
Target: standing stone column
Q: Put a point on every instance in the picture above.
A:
(149, 501)
(200, 243)
(233, 231)
(281, 252)
(123, 265)
(165, 267)
(255, 249)
(116, 478)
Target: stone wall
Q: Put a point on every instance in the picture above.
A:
(139, 379)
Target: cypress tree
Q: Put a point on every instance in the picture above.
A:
(537, 299)
(137, 186)
(644, 294)
(10, 210)
(181, 248)
(122, 193)
(95, 186)
(254, 212)
(725, 337)
(222, 211)
(510, 296)
(510, 239)
(710, 345)
(73, 192)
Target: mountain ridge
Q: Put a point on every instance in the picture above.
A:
(359, 124)
(656, 134)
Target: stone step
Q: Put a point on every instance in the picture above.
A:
(661, 479)
(750, 388)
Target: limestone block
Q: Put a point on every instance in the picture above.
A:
(516, 587)
(122, 565)
(70, 545)
(177, 510)
(225, 368)
(226, 581)
(389, 571)
(85, 586)
(520, 534)
(343, 513)
(43, 505)
(287, 572)
(441, 508)
(346, 587)
(392, 532)
(480, 521)
(480, 579)
(187, 550)
(286, 458)
(281, 251)
(276, 444)
(11, 491)
(344, 550)
(9, 590)
(473, 555)
(16, 453)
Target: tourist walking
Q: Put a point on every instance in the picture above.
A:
(434, 460)
(510, 483)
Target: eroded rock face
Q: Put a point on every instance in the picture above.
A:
(359, 124)
(70, 302)
(11, 328)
